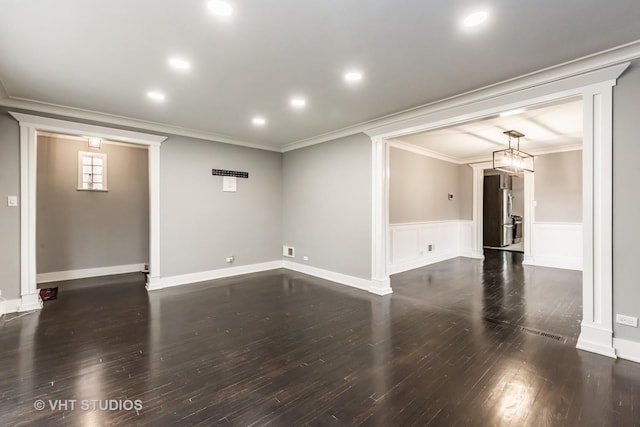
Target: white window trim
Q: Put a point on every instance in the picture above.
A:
(81, 155)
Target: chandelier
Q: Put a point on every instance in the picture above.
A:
(512, 160)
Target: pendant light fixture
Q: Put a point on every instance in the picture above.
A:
(512, 160)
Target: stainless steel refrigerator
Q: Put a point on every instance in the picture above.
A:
(497, 206)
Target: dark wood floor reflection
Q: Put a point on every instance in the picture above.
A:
(284, 349)
(500, 290)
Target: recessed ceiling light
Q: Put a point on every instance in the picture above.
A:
(512, 112)
(156, 96)
(259, 121)
(179, 63)
(298, 102)
(353, 76)
(475, 19)
(220, 8)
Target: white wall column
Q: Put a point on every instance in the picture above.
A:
(380, 281)
(154, 275)
(596, 333)
(529, 216)
(29, 297)
(477, 215)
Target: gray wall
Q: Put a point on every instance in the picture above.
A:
(626, 200)
(200, 224)
(558, 187)
(327, 205)
(418, 188)
(9, 217)
(87, 229)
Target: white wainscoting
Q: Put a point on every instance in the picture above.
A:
(556, 244)
(410, 243)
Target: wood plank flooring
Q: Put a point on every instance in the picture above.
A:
(285, 349)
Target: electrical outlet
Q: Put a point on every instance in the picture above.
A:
(627, 320)
(430, 248)
(289, 251)
(305, 258)
(230, 259)
(12, 201)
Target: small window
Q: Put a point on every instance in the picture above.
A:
(92, 171)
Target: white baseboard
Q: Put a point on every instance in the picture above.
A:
(568, 263)
(57, 276)
(344, 279)
(625, 349)
(203, 276)
(596, 340)
(10, 306)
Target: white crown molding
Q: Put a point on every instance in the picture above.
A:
(587, 64)
(63, 126)
(470, 160)
(375, 127)
(401, 145)
(111, 119)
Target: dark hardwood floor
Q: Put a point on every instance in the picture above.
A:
(285, 349)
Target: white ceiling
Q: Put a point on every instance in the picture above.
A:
(104, 56)
(550, 128)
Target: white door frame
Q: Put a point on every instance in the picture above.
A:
(29, 126)
(477, 243)
(595, 87)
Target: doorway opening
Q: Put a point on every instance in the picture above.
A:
(594, 86)
(503, 212)
(431, 194)
(30, 125)
(92, 210)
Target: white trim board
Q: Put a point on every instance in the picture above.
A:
(625, 349)
(9, 306)
(203, 276)
(57, 276)
(343, 279)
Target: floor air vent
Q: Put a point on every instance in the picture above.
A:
(545, 334)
